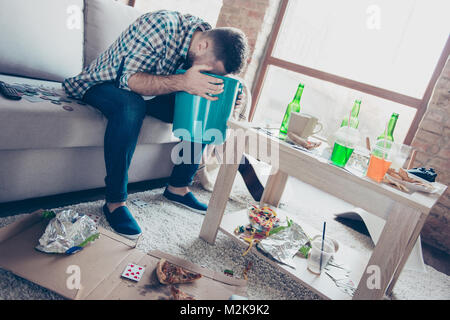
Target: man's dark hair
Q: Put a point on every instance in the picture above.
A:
(230, 47)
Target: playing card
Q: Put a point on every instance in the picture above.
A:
(139, 203)
(93, 217)
(133, 272)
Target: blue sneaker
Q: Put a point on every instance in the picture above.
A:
(188, 200)
(122, 222)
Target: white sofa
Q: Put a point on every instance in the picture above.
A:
(48, 148)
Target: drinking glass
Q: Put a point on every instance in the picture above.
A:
(379, 163)
(401, 153)
(346, 140)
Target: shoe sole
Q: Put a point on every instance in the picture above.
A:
(128, 236)
(187, 207)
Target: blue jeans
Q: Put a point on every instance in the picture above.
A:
(125, 111)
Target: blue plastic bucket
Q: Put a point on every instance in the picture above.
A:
(199, 120)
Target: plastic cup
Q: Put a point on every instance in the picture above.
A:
(359, 160)
(379, 163)
(314, 258)
(402, 152)
(346, 140)
(341, 154)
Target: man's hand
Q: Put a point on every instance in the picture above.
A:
(238, 105)
(239, 100)
(192, 81)
(201, 84)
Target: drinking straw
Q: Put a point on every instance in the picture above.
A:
(323, 240)
(385, 139)
(349, 118)
(348, 126)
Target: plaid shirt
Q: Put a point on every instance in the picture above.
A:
(156, 43)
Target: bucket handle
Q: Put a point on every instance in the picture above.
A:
(238, 113)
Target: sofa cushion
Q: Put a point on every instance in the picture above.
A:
(41, 39)
(105, 20)
(43, 124)
(34, 173)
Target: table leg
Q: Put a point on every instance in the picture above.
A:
(274, 188)
(411, 244)
(221, 192)
(388, 253)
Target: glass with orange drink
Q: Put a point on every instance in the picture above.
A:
(379, 163)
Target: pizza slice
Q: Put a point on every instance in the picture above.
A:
(177, 294)
(169, 273)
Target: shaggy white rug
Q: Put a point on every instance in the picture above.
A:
(173, 229)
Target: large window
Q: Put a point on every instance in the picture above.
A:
(389, 53)
(328, 102)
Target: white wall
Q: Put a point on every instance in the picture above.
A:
(207, 10)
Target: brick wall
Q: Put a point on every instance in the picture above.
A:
(247, 15)
(432, 141)
(255, 18)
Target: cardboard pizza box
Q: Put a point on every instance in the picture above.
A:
(99, 267)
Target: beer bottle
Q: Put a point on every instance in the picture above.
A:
(354, 122)
(293, 106)
(389, 137)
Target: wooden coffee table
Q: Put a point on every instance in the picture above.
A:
(404, 213)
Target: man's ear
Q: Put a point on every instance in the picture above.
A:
(203, 46)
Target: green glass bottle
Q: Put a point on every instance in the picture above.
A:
(354, 122)
(389, 137)
(293, 106)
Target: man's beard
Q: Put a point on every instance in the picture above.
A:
(189, 60)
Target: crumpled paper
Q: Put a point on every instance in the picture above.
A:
(282, 246)
(67, 230)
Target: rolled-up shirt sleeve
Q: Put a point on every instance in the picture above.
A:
(155, 43)
(146, 49)
(133, 63)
